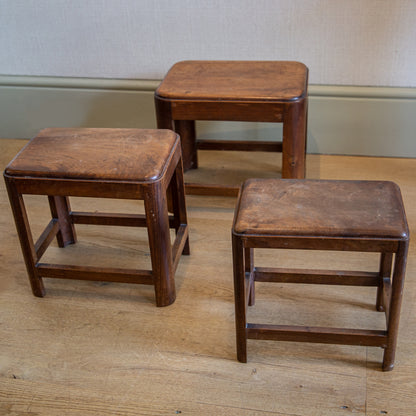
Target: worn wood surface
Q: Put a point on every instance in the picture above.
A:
(322, 208)
(251, 81)
(52, 154)
(90, 348)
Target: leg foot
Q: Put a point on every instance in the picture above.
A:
(160, 245)
(239, 298)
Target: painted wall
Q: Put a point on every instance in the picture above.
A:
(354, 42)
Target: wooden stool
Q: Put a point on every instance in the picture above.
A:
(269, 91)
(102, 163)
(363, 216)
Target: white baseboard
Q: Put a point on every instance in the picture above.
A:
(374, 121)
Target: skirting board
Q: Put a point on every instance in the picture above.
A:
(342, 120)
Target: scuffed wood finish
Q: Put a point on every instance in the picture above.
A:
(97, 154)
(320, 215)
(108, 163)
(260, 91)
(321, 208)
(253, 80)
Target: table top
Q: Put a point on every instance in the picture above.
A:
(96, 154)
(327, 208)
(235, 80)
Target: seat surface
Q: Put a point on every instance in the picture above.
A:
(101, 154)
(235, 80)
(288, 207)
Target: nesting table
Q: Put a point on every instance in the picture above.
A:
(364, 216)
(102, 163)
(259, 91)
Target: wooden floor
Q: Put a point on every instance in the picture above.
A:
(105, 349)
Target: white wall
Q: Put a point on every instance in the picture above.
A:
(343, 42)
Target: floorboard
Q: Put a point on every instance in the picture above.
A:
(93, 348)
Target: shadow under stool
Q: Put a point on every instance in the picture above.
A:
(103, 163)
(362, 216)
(256, 91)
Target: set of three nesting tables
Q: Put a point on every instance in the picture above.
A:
(287, 213)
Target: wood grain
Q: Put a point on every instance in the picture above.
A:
(51, 155)
(252, 80)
